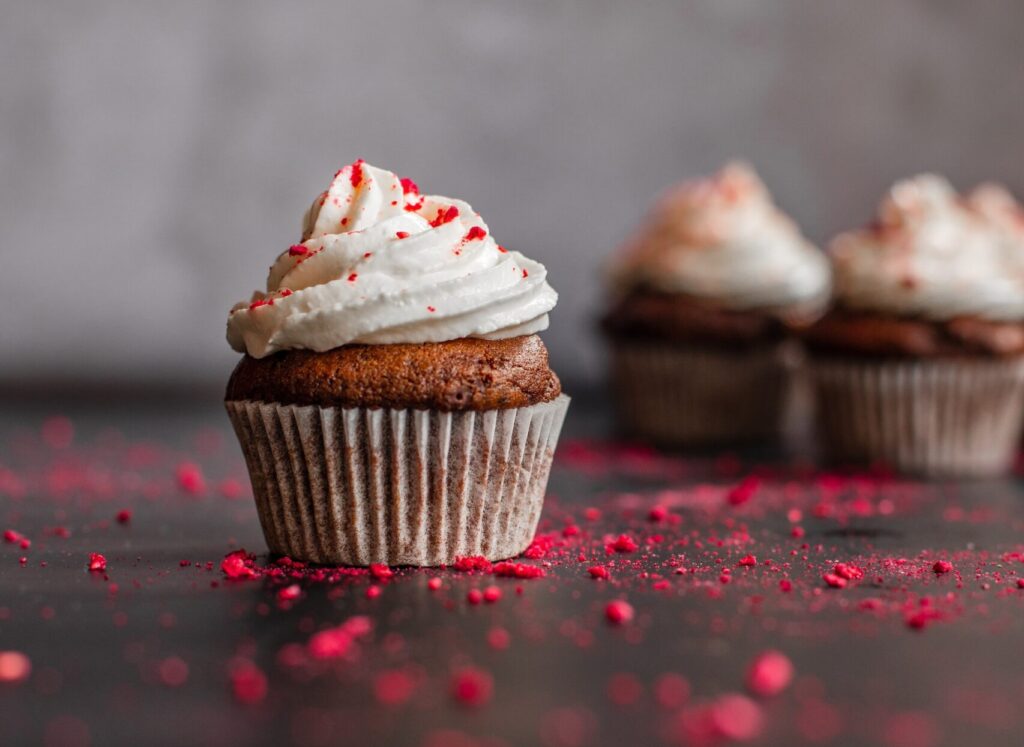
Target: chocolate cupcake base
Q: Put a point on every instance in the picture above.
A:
(355, 486)
(688, 395)
(937, 417)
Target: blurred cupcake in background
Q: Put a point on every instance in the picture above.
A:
(920, 364)
(706, 297)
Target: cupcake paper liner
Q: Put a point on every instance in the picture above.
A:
(687, 395)
(355, 486)
(935, 418)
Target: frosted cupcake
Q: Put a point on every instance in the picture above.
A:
(706, 297)
(921, 363)
(395, 403)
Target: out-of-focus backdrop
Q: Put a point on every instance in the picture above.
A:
(156, 156)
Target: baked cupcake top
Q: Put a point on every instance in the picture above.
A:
(936, 255)
(723, 241)
(380, 263)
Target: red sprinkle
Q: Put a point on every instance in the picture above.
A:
(618, 612)
(769, 674)
(97, 562)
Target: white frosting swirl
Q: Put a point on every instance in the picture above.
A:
(379, 263)
(724, 240)
(935, 254)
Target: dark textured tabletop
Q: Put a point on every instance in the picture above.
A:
(711, 599)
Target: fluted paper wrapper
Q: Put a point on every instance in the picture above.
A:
(679, 395)
(354, 486)
(934, 418)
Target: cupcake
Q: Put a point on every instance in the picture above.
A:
(394, 403)
(920, 364)
(706, 297)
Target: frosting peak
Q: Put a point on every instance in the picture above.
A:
(380, 263)
(723, 239)
(934, 253)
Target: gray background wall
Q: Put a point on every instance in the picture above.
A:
(155, 156)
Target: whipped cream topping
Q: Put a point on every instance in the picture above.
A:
(935, 254)
(723, 239)
(380, 263)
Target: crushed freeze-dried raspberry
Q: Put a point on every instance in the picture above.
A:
(97, 562)
(248, 682)
(472, 687)
(618, 612)
(769, 674)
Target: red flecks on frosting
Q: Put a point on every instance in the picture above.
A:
(525, 273)
(502, 249)
(472, 687)
(401, 234)
(409, 186)
(97, 562)
(769, 674)
(298, 250)
(445, 216)
(352, 277)
(431, 309)
(474, 233)
(618, 612)
(356, 177)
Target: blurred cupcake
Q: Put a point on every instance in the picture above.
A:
(395, 404)
(920, 365)
(706, 297)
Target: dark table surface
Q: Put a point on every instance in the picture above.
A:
(734, 557)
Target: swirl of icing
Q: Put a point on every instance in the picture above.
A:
(379, 263)
(723, 240)
(934, 254)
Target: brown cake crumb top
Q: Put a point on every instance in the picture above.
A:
(464, 374)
